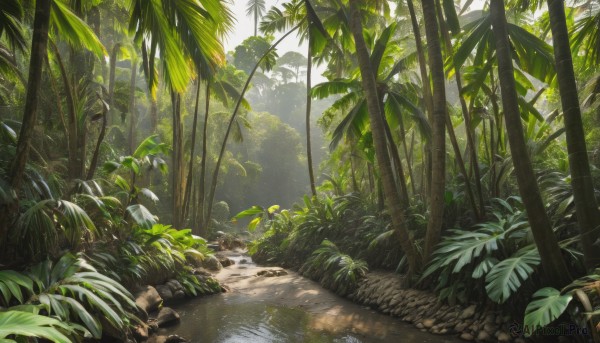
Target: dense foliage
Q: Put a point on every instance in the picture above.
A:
(462, 151)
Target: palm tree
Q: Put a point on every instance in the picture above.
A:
(183, 31)
(379, 139)
(41, 25)
(255, 8)
(438, 132)
(552, 261)
(588, 215)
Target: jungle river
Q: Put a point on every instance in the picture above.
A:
(287, 308)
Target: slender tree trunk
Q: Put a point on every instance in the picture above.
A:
(72, 116)
(41, 23)
(427, 96)
(111, 80)
(400, 177)
(479, 212)
(309, 160)
(547, 244)
(95, 156)
(132, 111)
(188, 185)
(177, 168)
(215, 176)
(586, 206)
(408, 161)
(202, 182)
(379, 141)
(438, 178)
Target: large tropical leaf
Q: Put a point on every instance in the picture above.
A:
(141, 216)
(32, 325)
(506, 277)
(547, 304)
(74, 30)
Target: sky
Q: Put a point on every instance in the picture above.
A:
(244, 28)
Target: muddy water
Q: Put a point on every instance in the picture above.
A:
(283, 309)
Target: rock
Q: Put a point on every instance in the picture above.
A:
(165, 292)
(461, 326)
(157, 339)
(178, 295)
(420, 326)
(148, 299)
(220, 233)
(140, 332)
(202, 272)
(468, 312)
(175, 339)
(243, 261)
(167, 316)
(224, 260)
(428, 323)
(503, 337)
(212, 263)
(269, 274)
(490, 328)
(109, 331)
(466, 336)
(483, 336)
(174, 285)
(281, 273)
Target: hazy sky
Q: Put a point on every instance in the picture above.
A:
(244, 28)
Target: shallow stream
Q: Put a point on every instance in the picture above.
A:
(287, 308)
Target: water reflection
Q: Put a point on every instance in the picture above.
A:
(231, 318)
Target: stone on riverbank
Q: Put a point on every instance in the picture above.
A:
(148, 299)
(167, 316)
(212, 263)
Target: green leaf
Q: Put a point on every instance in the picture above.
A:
(252, 225)
(273, 209)
(33, 325)
(142, 216)
(505, 278)
(250, 212)
(547, 304)
(74, 30)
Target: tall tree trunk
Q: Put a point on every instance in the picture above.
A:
(479, 212)
(427, 97)
(41, 23)
(111, 80)
(95, 156)
(400, 176)
(73, 128)
(202, 182)
(379, 141)
(438, 167)
(188, 185)
(177, 165)
(552, 261)
(215, 176)
(408, 161)
(586, 206)
(132, 111)
(309, 160)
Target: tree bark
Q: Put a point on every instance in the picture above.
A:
(177, 172)
(202, 182)
(379, 141)
(552, 261)
(479, 212)
(309, 161)
(188, 185)
(586, 206)
(438, 168)
(132, 116)
(41, 23)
